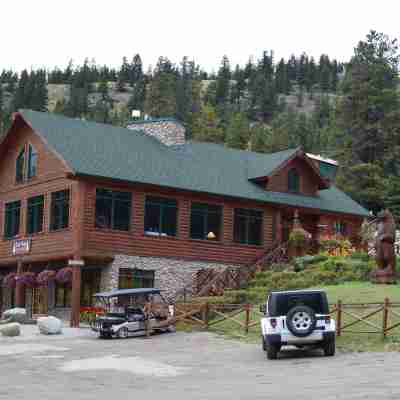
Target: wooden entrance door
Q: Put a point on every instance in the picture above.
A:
(40, 301)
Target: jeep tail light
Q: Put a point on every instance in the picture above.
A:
(328, 319)
(273, 322)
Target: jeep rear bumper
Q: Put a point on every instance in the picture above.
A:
(313, 338)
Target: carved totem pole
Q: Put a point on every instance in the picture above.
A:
(384, 246)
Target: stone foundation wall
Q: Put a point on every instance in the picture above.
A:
(170, 275)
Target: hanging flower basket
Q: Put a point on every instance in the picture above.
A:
(9, 280)
(28, 279)
(64, 275)
(45, 277)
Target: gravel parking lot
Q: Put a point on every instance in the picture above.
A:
(184, 366)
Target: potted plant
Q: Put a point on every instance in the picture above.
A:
(28, 279)
(64, 275)
(9, 281)
(45, 277)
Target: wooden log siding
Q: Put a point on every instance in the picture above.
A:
(278, 182)
(51, 177)
(135, 242)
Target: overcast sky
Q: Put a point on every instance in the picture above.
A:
(46, 33)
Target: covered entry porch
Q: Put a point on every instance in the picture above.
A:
(60, 288)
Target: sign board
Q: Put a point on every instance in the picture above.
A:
(21, 247)
(76, 263)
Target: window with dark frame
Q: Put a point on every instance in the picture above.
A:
(340, 228)
(59, 216)
(32, 162)
(161, 216)
(12, 219)
(20, 166)
(35, 215)
(113, 209)
(135, 278)
(63, 295)
(247, 226)
(293, 181)
(205, 221)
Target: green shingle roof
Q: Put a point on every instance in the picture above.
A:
(100, 150)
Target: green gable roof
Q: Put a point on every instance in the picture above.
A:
(105, 151)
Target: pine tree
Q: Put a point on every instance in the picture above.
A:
(206, 128)
(238, 132)
(223, 82)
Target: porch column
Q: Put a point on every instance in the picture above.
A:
(19, 287)
(75, 296)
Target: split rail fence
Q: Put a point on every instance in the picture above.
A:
(356, 318)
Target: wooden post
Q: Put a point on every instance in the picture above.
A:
(385, 317)
(247, 308)
(339, 318)
(19, 288)
(206, 315)
(76, 296)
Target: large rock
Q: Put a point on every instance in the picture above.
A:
(49, 325)
(10, 330)
(16, 315)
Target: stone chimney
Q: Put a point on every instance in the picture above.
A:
(167, 130)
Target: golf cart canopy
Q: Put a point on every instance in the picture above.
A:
(127, 292)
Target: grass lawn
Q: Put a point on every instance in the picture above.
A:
(358, 292)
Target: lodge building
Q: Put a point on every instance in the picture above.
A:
(141, 206)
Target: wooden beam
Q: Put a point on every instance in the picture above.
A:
(19, 289)
(76, 296)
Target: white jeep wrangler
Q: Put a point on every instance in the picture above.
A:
(299, 318)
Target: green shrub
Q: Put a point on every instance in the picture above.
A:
(301, 263)
(359, 255)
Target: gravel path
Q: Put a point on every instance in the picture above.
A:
(184, 366)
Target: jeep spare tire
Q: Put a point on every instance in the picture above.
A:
(301, 321)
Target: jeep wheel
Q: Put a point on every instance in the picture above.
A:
(123, 333)
(329, 348)
(272, 351)
(301, 321)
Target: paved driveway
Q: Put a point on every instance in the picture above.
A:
(185, 366)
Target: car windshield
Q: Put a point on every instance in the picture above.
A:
(285, 302)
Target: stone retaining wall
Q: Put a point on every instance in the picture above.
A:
(170, 275)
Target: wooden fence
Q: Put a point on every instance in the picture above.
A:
(361, 318)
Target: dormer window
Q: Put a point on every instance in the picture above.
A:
(293, 181)
(25, 171)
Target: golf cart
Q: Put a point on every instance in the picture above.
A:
(133, 312)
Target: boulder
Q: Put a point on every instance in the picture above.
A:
(10, 330)
(49, 325)
(16, 315)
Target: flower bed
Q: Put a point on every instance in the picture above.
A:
(89, 314)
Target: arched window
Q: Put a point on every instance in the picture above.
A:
(32, 162)
(293, 181)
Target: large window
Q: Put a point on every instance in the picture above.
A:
(89, 286)
(59, 217)
(35, 215)
(20, 166)
(12, 219)
(32, 162)
(26, 171)
(293, 181)
(113, 209)
(135, 278)
(160, 216)
(205, 221)
(63, 295)
(248, 226)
